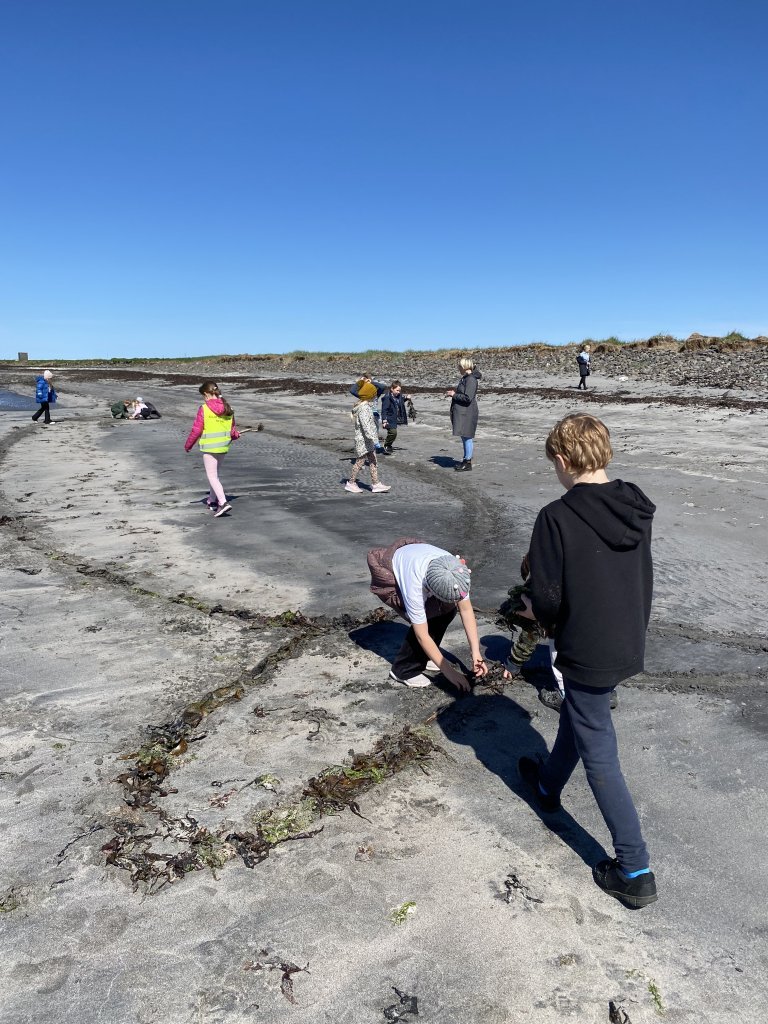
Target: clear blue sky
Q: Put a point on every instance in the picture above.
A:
(183, 177)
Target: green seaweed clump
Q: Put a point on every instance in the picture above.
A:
(339, 786)
(9, 902)
(399, 915)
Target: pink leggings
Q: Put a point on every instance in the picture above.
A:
(211, 461)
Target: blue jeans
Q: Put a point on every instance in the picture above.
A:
(586, 733)
(469, 447)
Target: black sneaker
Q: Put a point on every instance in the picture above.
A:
(388, 449)
(551, 698)
(529, 773)
(632, 892)
(464, 467)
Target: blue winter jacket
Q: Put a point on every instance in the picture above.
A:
(44, 392)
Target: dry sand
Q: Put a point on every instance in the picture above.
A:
(110, 570)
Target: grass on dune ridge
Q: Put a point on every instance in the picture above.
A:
(732, 340)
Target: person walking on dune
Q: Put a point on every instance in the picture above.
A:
(583, 359)
(464, 411)
(214, 429)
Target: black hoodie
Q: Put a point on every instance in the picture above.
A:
(592, 580)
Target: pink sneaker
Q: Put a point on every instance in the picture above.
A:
(380, 488)
(350, 485)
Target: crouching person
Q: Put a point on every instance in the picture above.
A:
(426, 585)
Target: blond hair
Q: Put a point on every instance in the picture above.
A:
(583, 441)
(465, 363)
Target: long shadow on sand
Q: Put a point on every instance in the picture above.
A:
(382, 638)
(500, 731)
(444, 461)
(497, 728)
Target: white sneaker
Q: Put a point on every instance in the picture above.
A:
(380, 488)
(414, 681)
(432, 667)
(351, 486)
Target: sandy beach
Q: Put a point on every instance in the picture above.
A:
(126, 607)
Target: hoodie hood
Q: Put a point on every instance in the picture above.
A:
(618, 512)
(476, 373)
(216, 405)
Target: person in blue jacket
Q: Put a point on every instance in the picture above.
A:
(393, 413)
(46, 396)
(380, 390)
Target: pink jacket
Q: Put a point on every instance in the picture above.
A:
(215, 405)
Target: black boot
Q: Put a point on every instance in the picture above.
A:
(464, 467)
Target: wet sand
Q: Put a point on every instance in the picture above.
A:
(124, 604)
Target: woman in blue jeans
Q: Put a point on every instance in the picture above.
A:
(464, 411)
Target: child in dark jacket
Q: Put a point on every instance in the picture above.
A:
(591, 588)
(393, 413)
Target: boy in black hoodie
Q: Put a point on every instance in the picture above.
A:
(591, 588)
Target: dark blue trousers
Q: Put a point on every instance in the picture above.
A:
(586, 734)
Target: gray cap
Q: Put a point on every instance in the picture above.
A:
(448, 578)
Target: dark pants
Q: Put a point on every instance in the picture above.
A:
(411, 660)
(586, 733)
(391, 436)
(583, 383)
(45, 411)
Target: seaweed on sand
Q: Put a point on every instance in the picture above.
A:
(406, 1006)
(340, 785)
(513, 885)
(277, 963)
(143, 783)
(131, 848)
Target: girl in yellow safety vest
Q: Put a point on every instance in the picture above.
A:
(214, 428)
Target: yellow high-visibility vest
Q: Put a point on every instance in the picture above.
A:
(217, 432)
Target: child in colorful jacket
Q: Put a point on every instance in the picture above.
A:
(214, 428)
(366, 438)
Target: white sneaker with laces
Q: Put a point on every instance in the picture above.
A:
(414, 681)
(380, 488)
(352, 487)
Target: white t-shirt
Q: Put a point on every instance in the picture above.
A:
(409, 564)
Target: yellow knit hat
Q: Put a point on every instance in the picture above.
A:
(366, 390)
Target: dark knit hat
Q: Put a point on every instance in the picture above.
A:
(448, 578)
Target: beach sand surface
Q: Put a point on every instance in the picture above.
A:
(125, 603)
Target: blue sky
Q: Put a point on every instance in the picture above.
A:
(185, 177)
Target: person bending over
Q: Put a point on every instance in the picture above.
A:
(426, 585)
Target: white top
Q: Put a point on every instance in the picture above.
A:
(409, 564)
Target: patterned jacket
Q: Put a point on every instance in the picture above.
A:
(366, 432)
